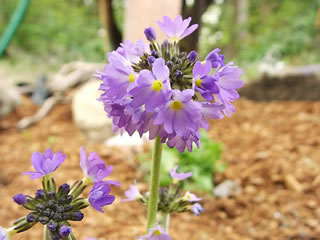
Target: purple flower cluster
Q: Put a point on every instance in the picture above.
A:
(170, 94)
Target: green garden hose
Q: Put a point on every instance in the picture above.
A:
(13, 25)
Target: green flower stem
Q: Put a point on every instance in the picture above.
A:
(46, 233)
(164, 220)
(154, 184)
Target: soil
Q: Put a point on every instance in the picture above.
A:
(272, 149)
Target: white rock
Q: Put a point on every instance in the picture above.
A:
(9, 98)
(88, 112)
(227, 188)
(126, 141)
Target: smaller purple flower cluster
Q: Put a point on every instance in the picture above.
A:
(169, 94)
(187, 202)
(54, 208)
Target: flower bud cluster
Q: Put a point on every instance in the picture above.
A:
(170, 198)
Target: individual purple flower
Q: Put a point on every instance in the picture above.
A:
(156, 233)
(133, 51)
(184, 141)
(206, 85)
(216, 60)
(228, 80)
(40, 194)
(93, 166)
(179, 176)
(197, 209)
(150, 34)
(65, 231)
(190, 197)
(178, 28)
(152, 88)
(45, 163)
(20, 199)
(99, 196)
(116, 77)
(3, 234)
(180, 115)
(211, 111)
(132, 194)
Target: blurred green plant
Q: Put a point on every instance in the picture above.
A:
(203, 162)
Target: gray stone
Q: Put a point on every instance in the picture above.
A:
(227, 188)
(88, 113)
(9, 99)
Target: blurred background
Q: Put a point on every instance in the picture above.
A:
(249, 32)
(258, 172)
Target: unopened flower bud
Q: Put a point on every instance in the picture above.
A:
(150, 34)
(76, 216)
(52, 225)
(151, 60)
(192, 56)
(32, 217)
(155, 54)
(65, 231)
(40, 194)
(40, 207)
(169, 64)
(20, 199)
(63, 190)
(44, 220)
(179, 74)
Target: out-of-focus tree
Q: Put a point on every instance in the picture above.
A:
(194, 9)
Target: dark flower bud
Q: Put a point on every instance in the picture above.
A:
(52, 194)
(46, 212)
(151, 60)
(169, 64)
(20, 199)
(76, 216)
(60, 209)
(52, 225)
(66, 215)
(57, 217)
(50, 203)
(155, 54)
(69, 199)
(44, 220)
(40, 194)
(32, 217)
(65, 231)
(179, 74)
(150, 34)
(67, 208)
(40, 207)
(192, 56)
(63, 190)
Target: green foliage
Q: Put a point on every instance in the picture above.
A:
(283, 28)
(57, 30)
(203, 162)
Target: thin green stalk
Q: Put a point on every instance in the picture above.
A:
(46, 234)
(164, 220)
(154, 184)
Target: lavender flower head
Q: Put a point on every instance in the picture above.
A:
(93, 167)
(157, 89)
(179, 176)
(99, 196)
(3, 234)
(46, 163)
(132, 194)
(157, 233)
(178, 28)
(20, 199)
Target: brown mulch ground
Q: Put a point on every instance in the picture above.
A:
(271, 148)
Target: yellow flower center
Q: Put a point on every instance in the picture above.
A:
(174, 39)
(157, 232)
(198, 82)
(132, 77)
(176, 105)
(157, 85)
(188, 196)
